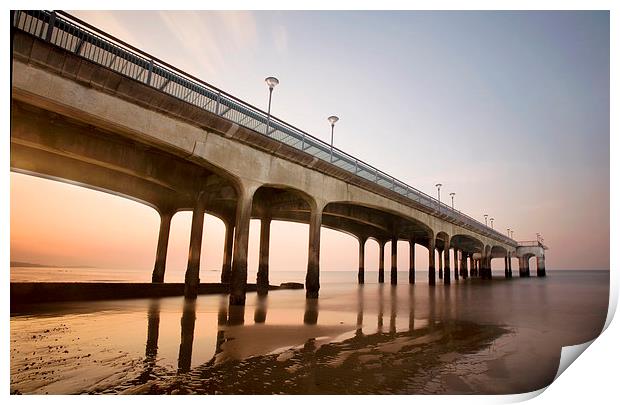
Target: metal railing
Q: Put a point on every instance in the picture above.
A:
(532, 243)
(82, 39)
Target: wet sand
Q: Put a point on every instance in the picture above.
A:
(471, 337)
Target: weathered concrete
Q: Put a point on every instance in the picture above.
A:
(431, 262)
(394, 262)
(456, 264)
(162, 246)
(192, 274)
(411, 262)
(381, 261)
(262, 277)
(446, 273)
(227, 259)
(360, 271)
(314, 246)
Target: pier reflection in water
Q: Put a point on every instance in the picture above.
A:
(354, 339)
(289, 356)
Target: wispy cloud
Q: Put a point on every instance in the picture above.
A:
(209, 36)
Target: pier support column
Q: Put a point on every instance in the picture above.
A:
(314, 250)
(540, 266)
(431, 261)
(239, 275)
(446, 258)
(440, 263)
(456, 264)
(523, 272)
(394, 262)
(506, 272)
(262, 277)
(360, 271)
(162, 246)
(227, 260)
(471, 265)
(464, 272)
(192, 275)
(412, 262)
(510, 265)
(381, 261)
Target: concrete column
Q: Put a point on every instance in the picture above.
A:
(510, 265)
(431, 261)
(540, 266)
(489, 272)
(411, 262)
(381, 262)
(446, 272)
(523, 267)
(192, 275)
(471, 265)
(262, 277)
(162, 246)
(440, 263)
(227, 260)
(362, 248)
(239, 275)
(456, 264)
(506, 273)
(394, 262)
(314, 250)
(464, 265)
(527, 267)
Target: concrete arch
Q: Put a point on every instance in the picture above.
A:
(498, 251)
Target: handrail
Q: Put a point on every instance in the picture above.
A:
(74, 35)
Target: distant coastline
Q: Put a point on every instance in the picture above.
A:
(26, 264)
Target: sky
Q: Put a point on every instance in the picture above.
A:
(509, 110)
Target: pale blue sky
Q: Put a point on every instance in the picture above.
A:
(510, 110)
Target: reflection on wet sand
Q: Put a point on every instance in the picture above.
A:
(435, 340)
(262, 358)
(315, 358)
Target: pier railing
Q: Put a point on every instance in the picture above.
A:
(80, 38)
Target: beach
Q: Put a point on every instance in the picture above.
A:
(474, 336)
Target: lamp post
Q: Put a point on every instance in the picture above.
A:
(512, 234)
(485, 219)
(332, 120)
(537, 237)
(492, 219)
(438, 185)
(508, 232)
(452, 195)
(271, 82)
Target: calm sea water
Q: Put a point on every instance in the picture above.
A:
(474, 336)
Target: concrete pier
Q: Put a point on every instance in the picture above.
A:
(262, 277)
(162, 246)
(456, 264)
(239, 276)
(411, 262)
(314, 249)
(431, 261)
(440, 263)
(446, 272)
(394, 262)
(361, 257)
(192, 274)
(227, 259)
(78, 120)
(381, 262)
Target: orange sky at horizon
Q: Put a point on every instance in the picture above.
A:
(60, 224)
